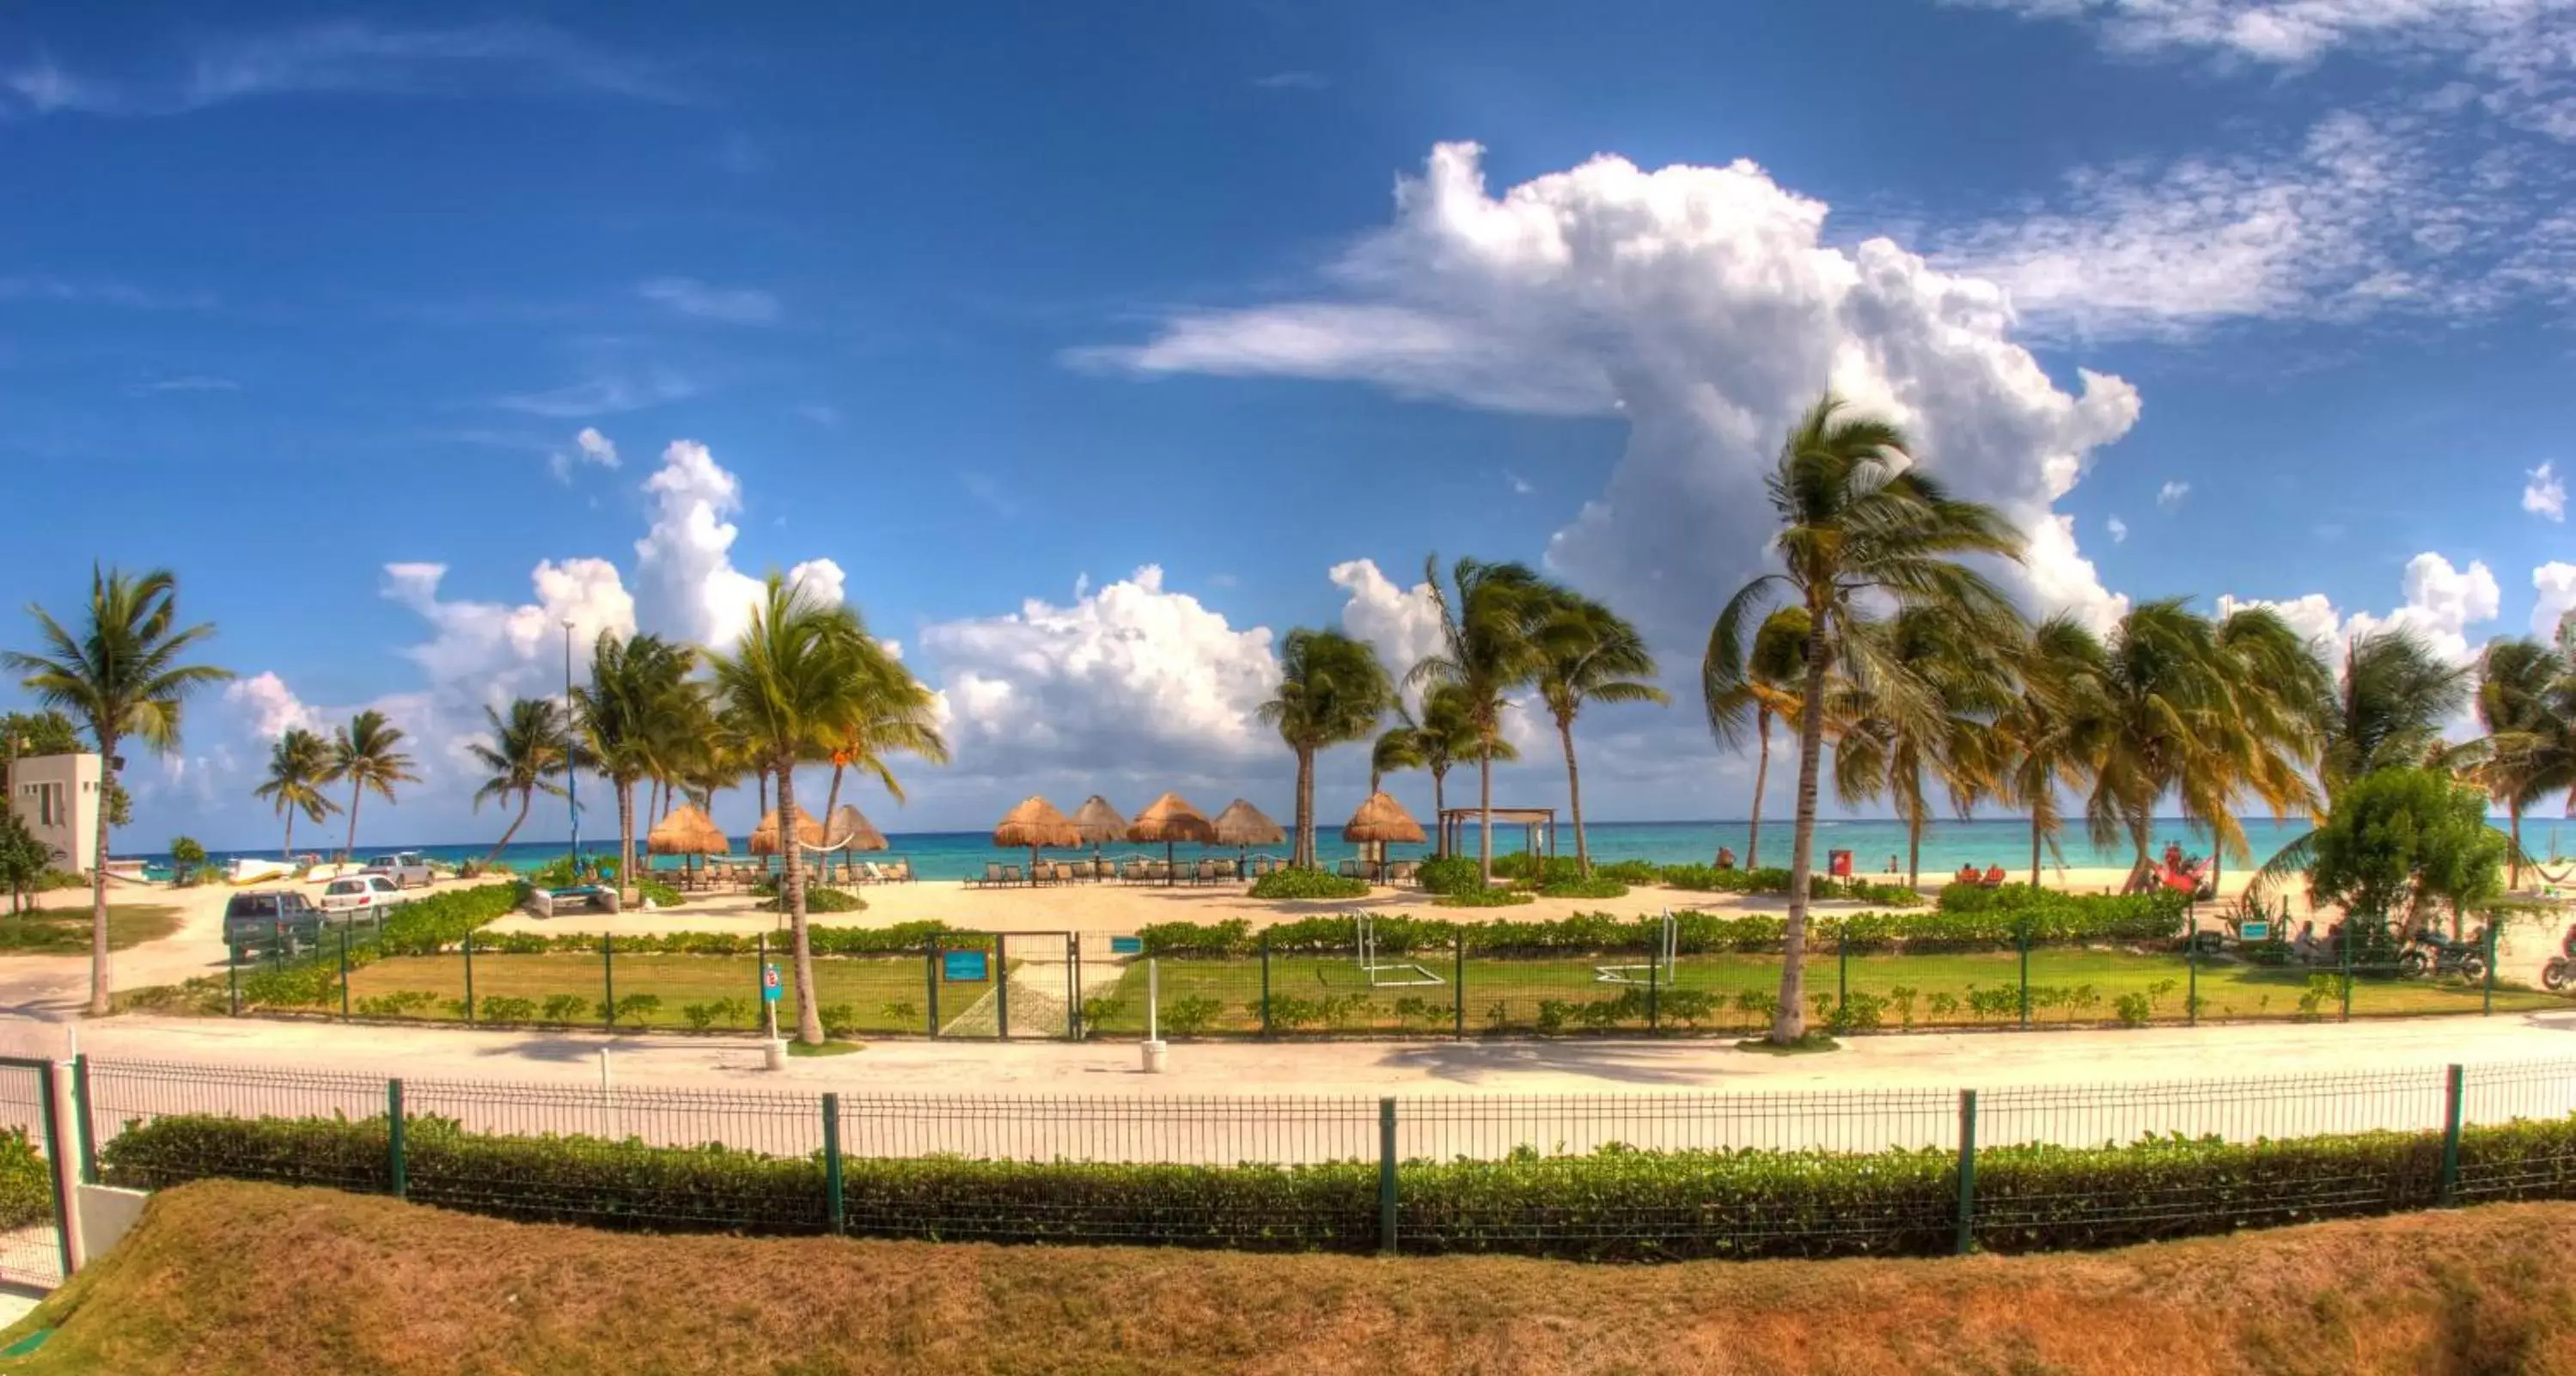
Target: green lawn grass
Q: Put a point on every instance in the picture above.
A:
(882, 994)
(1726, 992)
(65, 931)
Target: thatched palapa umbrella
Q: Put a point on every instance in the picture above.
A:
(686, 831)
(846, 831)
(1381, 819)
(764, 838)
(1035, 823)
(1099, 824)
(1243, 826)
(1171, 820)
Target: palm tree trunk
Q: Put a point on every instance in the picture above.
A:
(764, 791)
(809, 1017)
(1301, 851)
(527, 799)
(99, 974)
(1485, 804)
(289, 856)
(1789, 1021)
(626, 840)
(1761, 781)
(1574, 796)
(2513, 860)
(1914, 848)
(1439, 804)
(832, 797)
(350, 851)
(2034, 850)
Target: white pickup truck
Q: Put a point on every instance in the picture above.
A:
(404, 867)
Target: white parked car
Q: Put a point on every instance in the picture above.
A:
(360, 893)
(404, 867)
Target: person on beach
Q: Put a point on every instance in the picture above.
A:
(1726, 857)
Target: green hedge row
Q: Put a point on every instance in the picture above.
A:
(1616, 1204)
(26, 1182)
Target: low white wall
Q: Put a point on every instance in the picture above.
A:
(105, 1214)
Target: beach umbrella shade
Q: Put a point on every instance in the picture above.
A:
(764, 838)
(1170, 819)
(846, 831)
(686, 831)
(1380, 820)
(1099, 823)
(1034, 823)
(1244, 826)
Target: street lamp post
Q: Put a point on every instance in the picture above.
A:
(572, 770)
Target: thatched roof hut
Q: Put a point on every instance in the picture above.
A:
(1035, 823)
(1098, 822)
(764, 838)
(1243, 825)
(1382, 819)
(1171, 819)
(849, 829)
(686, 831)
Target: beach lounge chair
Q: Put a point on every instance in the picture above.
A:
(1010, 874)
(900, 871)
(992, 874)
(1350, 869)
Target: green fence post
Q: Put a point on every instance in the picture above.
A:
(2191, 992)
(397, 1166)
(931, 973)
(1073, 987)
(80, 1109)
(1265, 984)
(1001, 973)
(53, 1166)
(2452, 1095)
(344, 972)
(2021, 934)
(2349, 930)
(1967, 1171)
(232, 973)
(608, 981)
(469, 978)
(1654, 993)
(2489, 998)
(1842, 965)
(1458, 986)
(835, 1214)
(1386, 1175)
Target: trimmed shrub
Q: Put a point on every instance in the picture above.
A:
(1301, 883)
(1596, 887)
(26, 1183)
(1484, 898)
(657, 893)
(1452, 874)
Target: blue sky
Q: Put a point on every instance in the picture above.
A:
(979, 312)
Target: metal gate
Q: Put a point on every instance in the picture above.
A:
(35, 1254)
(1009, 985)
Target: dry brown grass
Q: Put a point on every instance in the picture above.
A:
(227, 1277)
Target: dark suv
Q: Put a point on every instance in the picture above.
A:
(266, 920)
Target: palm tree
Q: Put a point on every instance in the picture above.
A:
(2046, 737)
(2395, 698)
(1929, 718)
(122, 675)
(1332, 690)
(2523, 692)
(1861, 523)
(1441, 740)
(1398, 748)
(790, 687)
(631, 717)
(1588, 654)
(1489, 646)
(898, 716)
(298, 765)
(364, 755)
(529, 751)
(1768, 688)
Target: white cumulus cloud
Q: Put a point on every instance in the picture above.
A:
(2555, 586)
(2544, 493)
(2442, 602)
(1706, 306)
(2171, 494)
(684, 563)
(271, 706)
(589, 448)
(2119, 529)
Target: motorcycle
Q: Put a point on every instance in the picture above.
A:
(2560, 972)
(2431, 953)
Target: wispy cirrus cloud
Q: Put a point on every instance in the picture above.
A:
(725, 305)
(185, 382)
(346, 57)
(602, 394)
(1293, 80)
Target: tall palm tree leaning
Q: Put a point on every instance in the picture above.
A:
(897, 715)
(2045, 738)
(1588, 654)
(1861, 523)
(529, 751)
(2530, 746)
(298, 765)
(1439, 740)
(1397, 748)
(123, 675)
(628, 718)
(1490, 616)
(1332, 691)
(1930, 718)
(366, 755)
(1767, 688)
(790, 688)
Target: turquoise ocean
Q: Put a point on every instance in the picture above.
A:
(1947, 845)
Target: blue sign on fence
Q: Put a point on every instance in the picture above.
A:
(2255, 931)
(769, 988)
(964, 967)
(1126, 945)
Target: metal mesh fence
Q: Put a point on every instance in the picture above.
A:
(31, 1246)
(2506, 1149)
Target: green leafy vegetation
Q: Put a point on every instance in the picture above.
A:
(66, 931)
(1304, 883)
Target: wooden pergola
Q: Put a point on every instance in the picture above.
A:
(1538, 825)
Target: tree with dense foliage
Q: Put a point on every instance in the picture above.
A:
(2389, 710)
(187, 856)
(1862, 524)
(1440, 738)
(121, 672)
(1490, 615)
(1903, 731)
(298, 765)
(789, 686)
(25, 735)
(1587, 654)
(367, 755)
(2524, 696)
(530, 749)
(1767, 689)
(23, 858)
(2048, 733)
(629, 720)
(2405, 841)
(1332, 691)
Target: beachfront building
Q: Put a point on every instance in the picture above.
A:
(55, 795)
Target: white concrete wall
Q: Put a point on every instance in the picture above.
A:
(106, 1214)
(71, 830)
